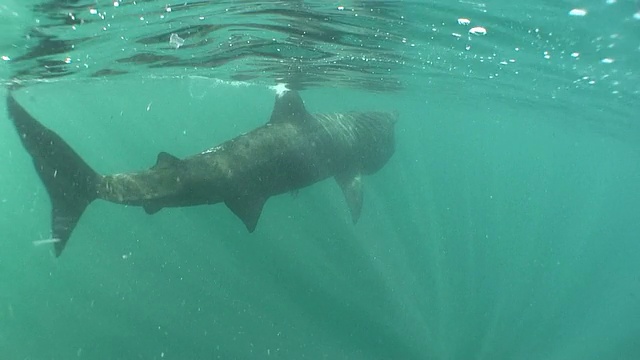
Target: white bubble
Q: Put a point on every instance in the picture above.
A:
(578, 12)
(175, 40)
(463, 21)
(478, 30)
(280, 89)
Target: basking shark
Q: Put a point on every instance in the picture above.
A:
(294, 149)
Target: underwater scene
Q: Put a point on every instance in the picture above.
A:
(310, 179)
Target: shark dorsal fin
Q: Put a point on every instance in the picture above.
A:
(289, 107)
(165, 160)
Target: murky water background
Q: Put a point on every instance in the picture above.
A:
(505, 226)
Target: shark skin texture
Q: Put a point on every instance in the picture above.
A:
(293, 150)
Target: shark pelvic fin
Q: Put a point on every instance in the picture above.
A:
(351, 186)
(165, 160)
(289, 107)
(151, 209)
(248, 209)
(70, 182)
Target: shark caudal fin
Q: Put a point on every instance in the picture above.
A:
(70, 182)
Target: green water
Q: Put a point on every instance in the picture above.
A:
(505, 226)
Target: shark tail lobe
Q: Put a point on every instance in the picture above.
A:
(70, 182)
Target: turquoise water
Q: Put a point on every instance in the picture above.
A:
(505, 226)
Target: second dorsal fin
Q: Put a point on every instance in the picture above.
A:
(289, 107)
(165, 160)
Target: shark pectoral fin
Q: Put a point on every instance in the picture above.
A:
(351, 186)
(165, 160)
(248, 209)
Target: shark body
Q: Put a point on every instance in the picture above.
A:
(294, 149)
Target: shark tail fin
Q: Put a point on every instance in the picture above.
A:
(70, 182)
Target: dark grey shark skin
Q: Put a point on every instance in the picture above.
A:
(294, 149)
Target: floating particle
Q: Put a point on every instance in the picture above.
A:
(463, 21)
(575, 54)
(637, 15)
(93, 11)
(478, 30)
(176, 41)
(456, 35)
(340, 7)
(607, 61)
(46, 241)
(116, 3)
(5, 58)
(578, 12)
